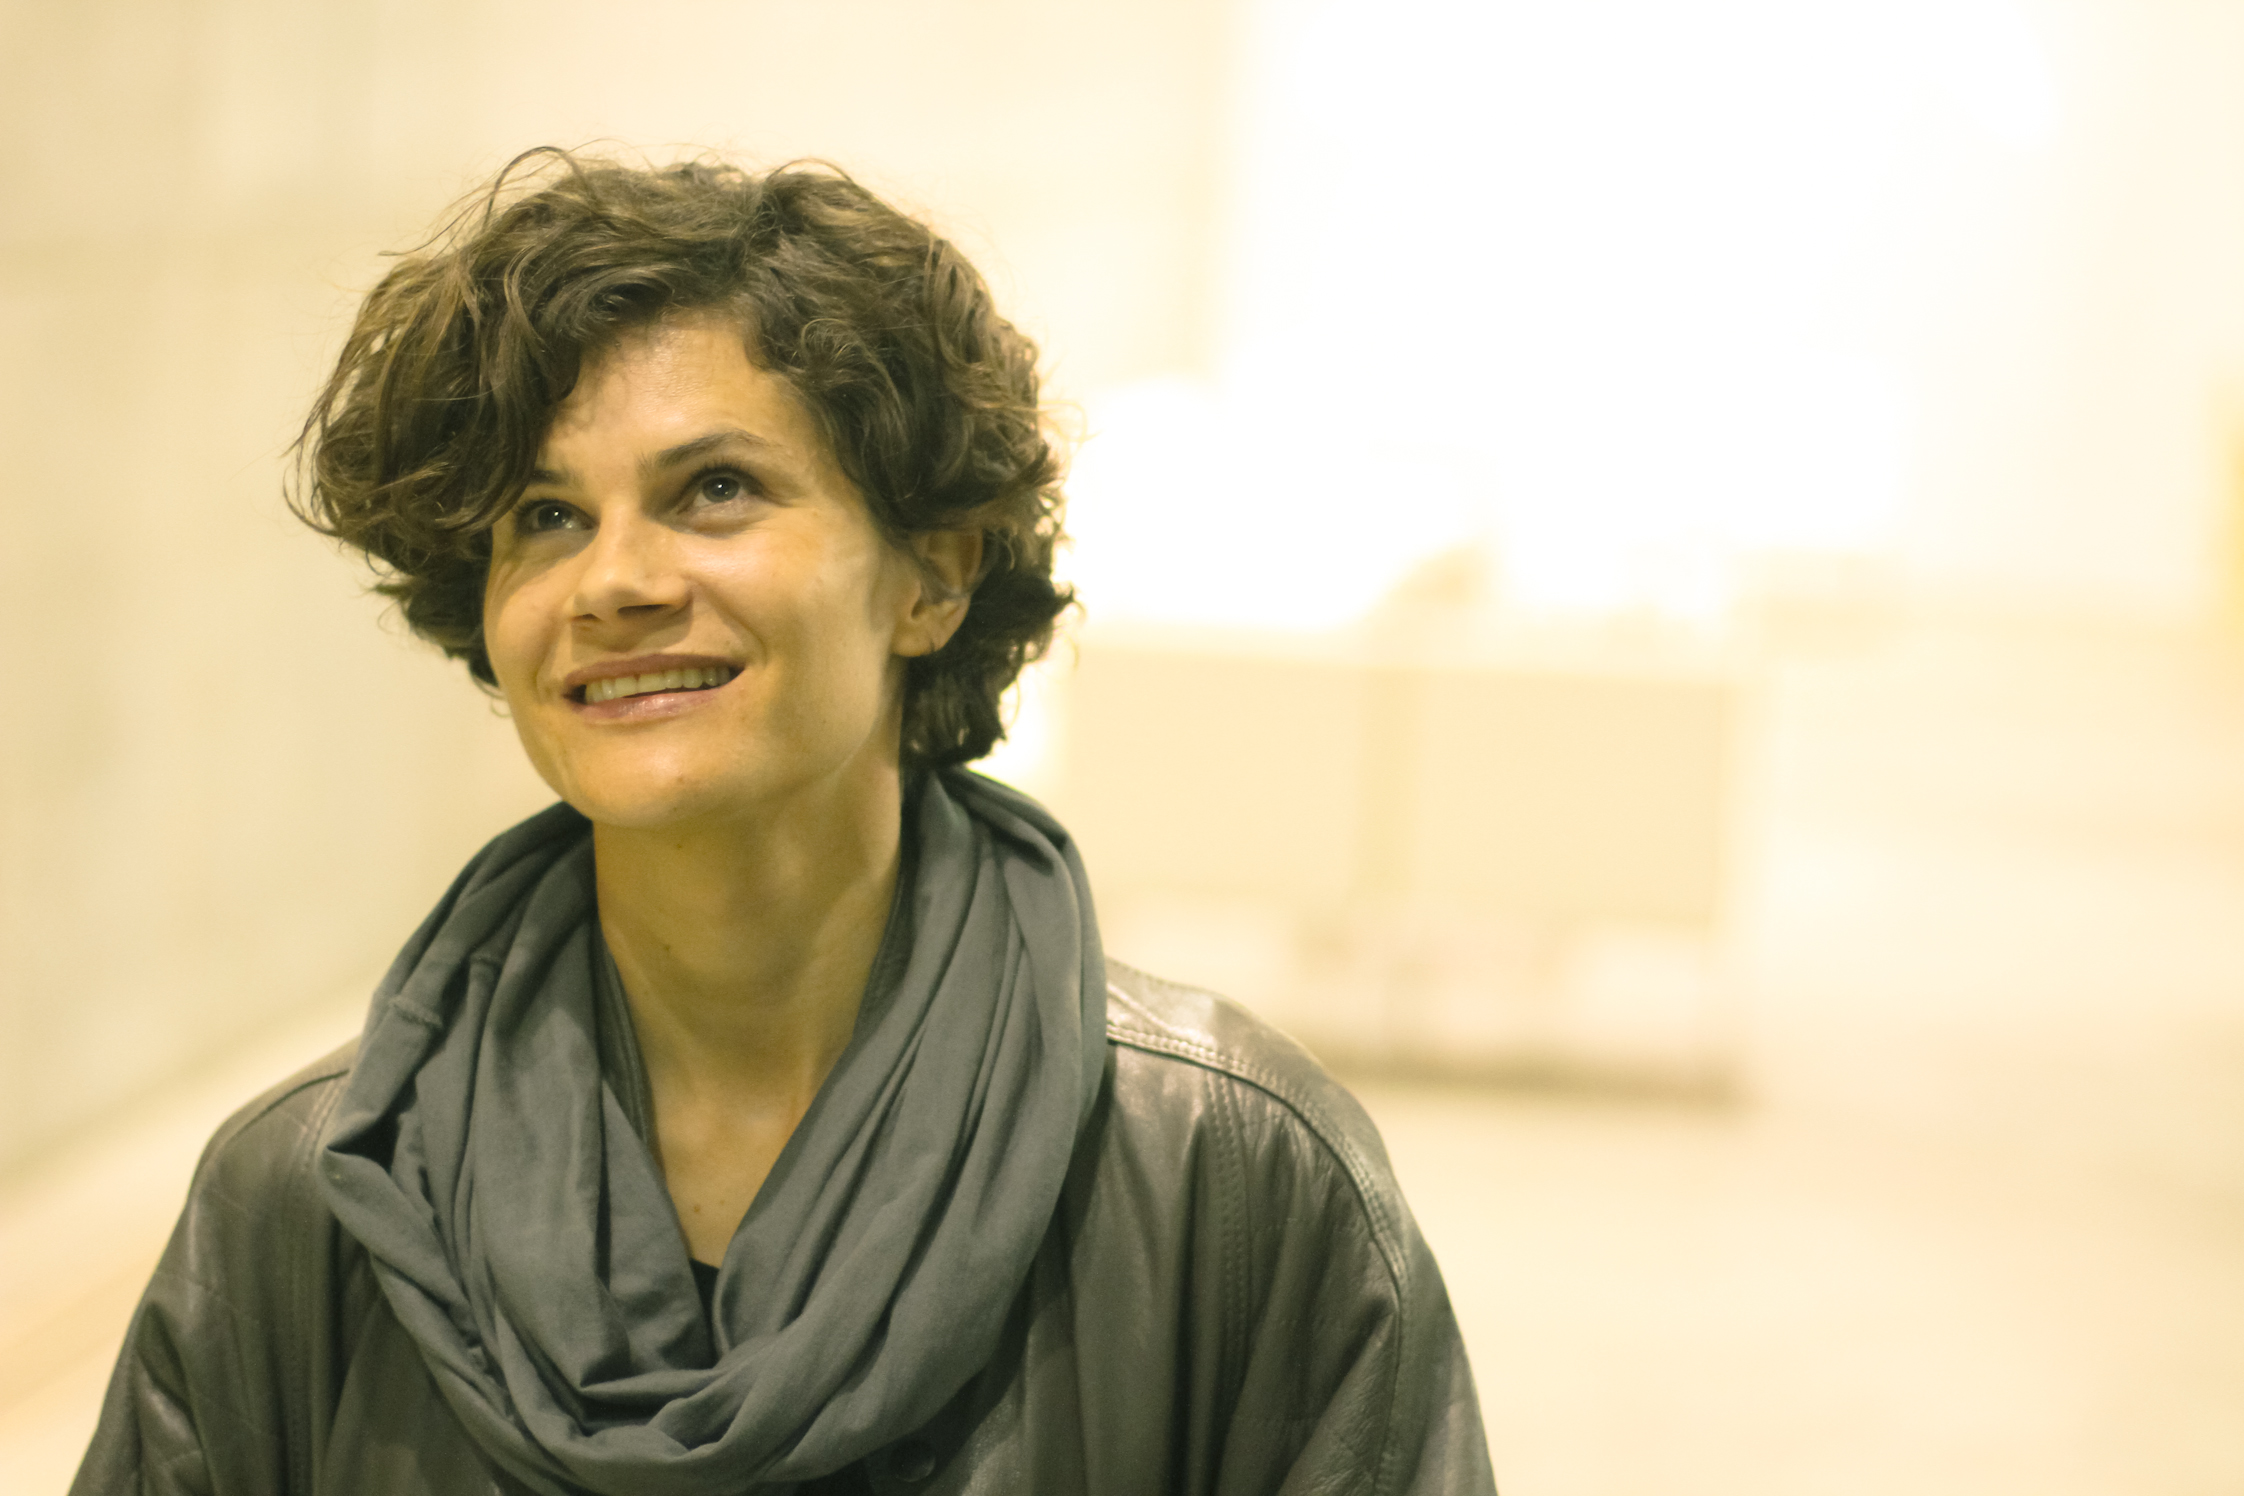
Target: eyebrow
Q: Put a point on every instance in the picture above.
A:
(670, 457)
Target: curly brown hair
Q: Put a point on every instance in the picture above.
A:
(431, 423)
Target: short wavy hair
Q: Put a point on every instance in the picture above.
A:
(430, 425)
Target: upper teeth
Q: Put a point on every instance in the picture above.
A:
(665, 680)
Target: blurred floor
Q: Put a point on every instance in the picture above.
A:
(1978, 1226)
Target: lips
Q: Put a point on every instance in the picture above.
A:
(616, 687)
(652, 675)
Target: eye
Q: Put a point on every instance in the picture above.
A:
(538, 516)
(722, 486)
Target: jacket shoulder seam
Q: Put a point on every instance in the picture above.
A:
(327, 1069)
(1159, 1039)
(1237, 1067)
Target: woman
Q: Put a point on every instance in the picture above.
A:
(765, 1114)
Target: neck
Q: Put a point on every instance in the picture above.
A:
(744, 949)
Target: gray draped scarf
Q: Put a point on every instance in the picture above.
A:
(488, 1152)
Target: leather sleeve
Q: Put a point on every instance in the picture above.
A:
(1353, 1377)
(1355, 1360)
(230, 1351)
(1342, 1369)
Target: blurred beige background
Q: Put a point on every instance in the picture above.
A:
(1677, 564)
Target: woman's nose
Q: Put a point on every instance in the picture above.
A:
(629, 570)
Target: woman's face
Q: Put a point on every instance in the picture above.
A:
(689, 610)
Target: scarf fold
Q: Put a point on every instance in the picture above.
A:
(488, 1152)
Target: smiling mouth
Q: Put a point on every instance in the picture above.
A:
(616, 687)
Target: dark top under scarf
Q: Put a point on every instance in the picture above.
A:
(488, 1160)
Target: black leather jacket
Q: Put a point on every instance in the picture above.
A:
(1232, 1297)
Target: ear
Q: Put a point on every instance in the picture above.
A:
(948, 564)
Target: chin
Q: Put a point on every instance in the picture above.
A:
(668, 805)
(630, 813)
(682, 802)
(674, 790)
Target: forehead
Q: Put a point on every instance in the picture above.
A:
(679, 379)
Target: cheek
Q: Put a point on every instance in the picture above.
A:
(843, 640)
(511, 634)
(864, 607)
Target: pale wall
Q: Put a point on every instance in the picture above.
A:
(224, 790)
